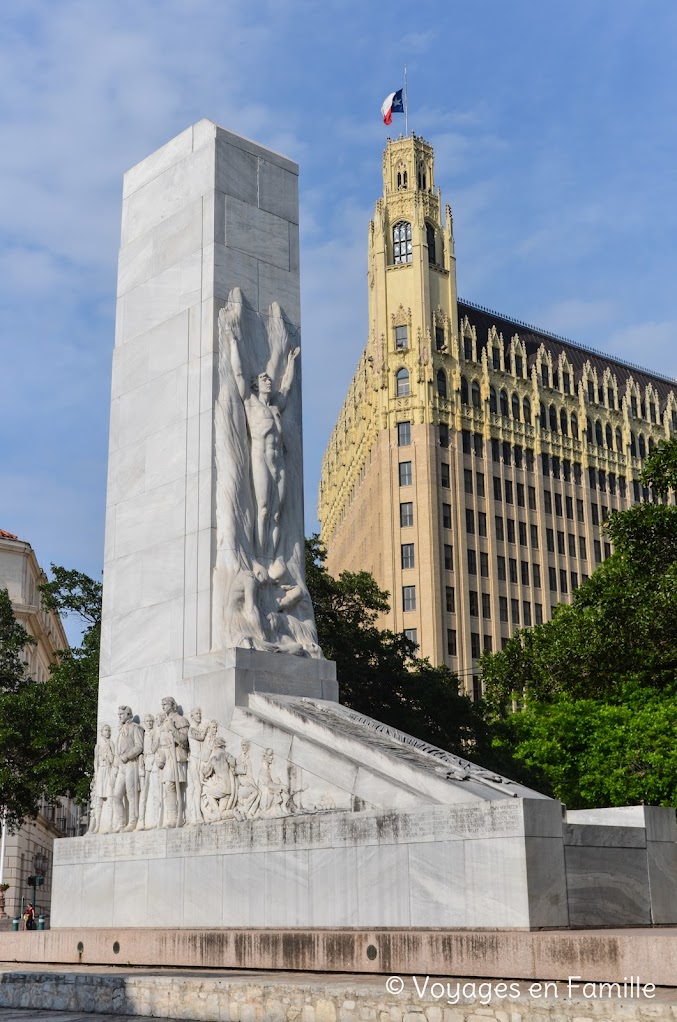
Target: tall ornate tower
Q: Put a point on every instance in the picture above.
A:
(475, 458)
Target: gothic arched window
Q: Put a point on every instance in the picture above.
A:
(608, 434)
(642, 446)
(588, 431)
(402, 242)
(504, 404)
(515, 404)
(633, 445)
(442, 383)
(619, 440)
(552, 416)
(493, 407)
(465, 400)
(430, 241)
(402, 378)
(526, 408)
(599, 439)
(543, 419)
(574, 425)
(475, 394)
(563, 423)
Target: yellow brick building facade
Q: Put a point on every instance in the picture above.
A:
(474, 458)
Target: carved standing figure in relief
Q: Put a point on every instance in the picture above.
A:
(149, 796)
(102, 785)
(196, 737)
(248, 794)
(128, 751)
(261, 600)
(263, 410)
(172, 761)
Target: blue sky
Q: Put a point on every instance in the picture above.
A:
(555, 134)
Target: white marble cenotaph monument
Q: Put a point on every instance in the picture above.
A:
(231, 788)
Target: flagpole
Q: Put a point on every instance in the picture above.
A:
(406, 103)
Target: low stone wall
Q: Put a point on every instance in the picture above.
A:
(265, 998)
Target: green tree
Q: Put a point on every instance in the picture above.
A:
(378, 670)
(47, 730)
(597, 685)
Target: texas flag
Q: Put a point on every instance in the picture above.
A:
(392, 104)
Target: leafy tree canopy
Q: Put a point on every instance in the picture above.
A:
(598, 684)
(47, 729)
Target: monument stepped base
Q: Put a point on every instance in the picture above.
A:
(593, 955)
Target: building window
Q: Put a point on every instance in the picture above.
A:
(497, 488)
(406, 514)
(500, 564)
(506, 452)
(450, 599)
(532, 498)
(478, 445)
(607, 550)
(536, 575)
(582, 552)
(443, 434)
(439, 338)
(563, 584)
(518, 456)
(466, 441)
(441, 383)
(444, 475)
(481, 523)
(402, 382)
(513, 570)
(526, 409)
(520, 494)
(504, 404)
(446, 516)
(401, 338)
(475, 395)
(598, 551)
(524, 570)
(578, 473)
(487, 645)
(552, 574)
(451, 641)
(522, 526)
(571, 541)
(495, 359)
(515, 405)
(515, 608)
(538, 609)
(574, 425)
(558, 505)
(474, 604)
(407, 555)
(484, 564)
(499, 528)
(479, 482)
(569, 501)
(475, 645)
(403, 434)
(410, 633)
(595, 514)
(492, 401)
(503, 608)
(486, 605)
(408, 598)
(402, 249)
(467, 480)
(526, 610)
(533, 531)
(472, 562)
(508, 492)
(511, 530)
(574, 581)
(560, 543)
(448, 557)
(405, 473)
(467, 349)
(550, 540)
(579, 509)
(470, 521)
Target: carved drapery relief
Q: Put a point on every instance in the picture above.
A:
(260, 595)
(174, 771)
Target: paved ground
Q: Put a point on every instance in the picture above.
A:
(27, 1015)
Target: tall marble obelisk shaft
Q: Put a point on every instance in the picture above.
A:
(208, 213)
